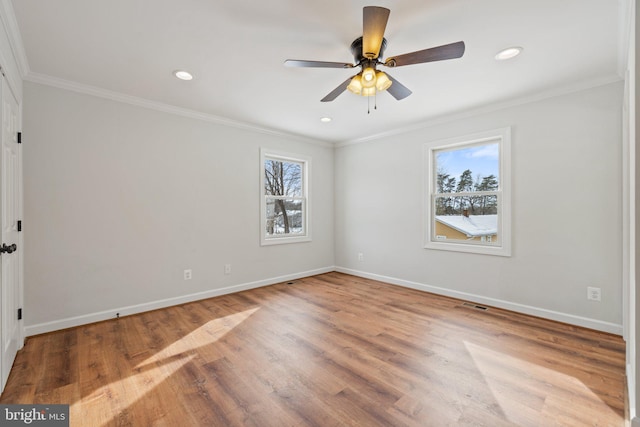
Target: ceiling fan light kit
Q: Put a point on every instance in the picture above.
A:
(369, 83)
(367, 51)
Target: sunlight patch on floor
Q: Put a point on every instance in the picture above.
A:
(153, 371)
(539, 395)
(124, 393)
(206, 334)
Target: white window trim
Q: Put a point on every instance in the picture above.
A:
(503, 136)
(306, 206)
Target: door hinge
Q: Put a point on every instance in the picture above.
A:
(20, 225)
(19, 137)
(19, 314)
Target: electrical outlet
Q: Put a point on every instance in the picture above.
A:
(360, 256)
(227, 269)
(187, 274)
(594, 294)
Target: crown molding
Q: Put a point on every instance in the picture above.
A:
(428, 122)
(495, 106)
(162, 107)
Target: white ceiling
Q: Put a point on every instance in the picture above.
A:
(236, 48)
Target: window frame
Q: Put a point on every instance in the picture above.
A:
(503, 248)
(305, 236)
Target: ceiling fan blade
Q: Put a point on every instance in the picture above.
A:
(397, 89)
(447, 51)
(374, 23)
(315, 64)
(337, 91)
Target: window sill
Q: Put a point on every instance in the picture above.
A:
(284, 240)
(469, 248)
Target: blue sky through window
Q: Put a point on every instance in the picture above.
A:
(481, 159)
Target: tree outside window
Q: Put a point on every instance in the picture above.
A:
(284, 205)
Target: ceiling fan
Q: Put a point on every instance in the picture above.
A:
(367, 51)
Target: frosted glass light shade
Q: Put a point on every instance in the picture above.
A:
(368, 91)
(368, 77)
(356, 85)
(382, 81)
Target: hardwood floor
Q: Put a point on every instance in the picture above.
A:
(328, 350)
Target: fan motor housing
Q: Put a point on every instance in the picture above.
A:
(356, 50)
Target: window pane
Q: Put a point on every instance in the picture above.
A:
(282, 178)
(284, 200)
(470, 219)
(460, 216)
(472, 168)
(284, 216)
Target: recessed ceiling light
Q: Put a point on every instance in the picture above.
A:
(183, 75)
(508, 53)
(325, 119)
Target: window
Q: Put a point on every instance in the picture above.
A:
(284, 198)
(468, 198)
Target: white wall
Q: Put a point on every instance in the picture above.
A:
(567, 202)
(119, 200)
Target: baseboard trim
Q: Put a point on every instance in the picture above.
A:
(507, 305)
(71, 322)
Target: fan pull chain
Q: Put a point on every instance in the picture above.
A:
(375, 102)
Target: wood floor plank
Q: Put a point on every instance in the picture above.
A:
(327, 350)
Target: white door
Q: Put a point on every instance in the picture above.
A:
(10, 187)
